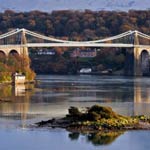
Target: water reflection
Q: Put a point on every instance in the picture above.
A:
(53, 95)
(141, 96)
(97, 139)
(15, 102)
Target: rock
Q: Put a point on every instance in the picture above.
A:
(74, 111)
(103, 112)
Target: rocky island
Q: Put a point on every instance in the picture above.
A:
(97, 118)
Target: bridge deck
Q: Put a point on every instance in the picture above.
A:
(73, 45)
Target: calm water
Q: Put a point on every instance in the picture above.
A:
(53, 95)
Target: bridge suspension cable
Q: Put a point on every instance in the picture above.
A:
(43, 36)
(66, 41)
(125, 34)
(55, 41)
(114, 37)
(13, 32)
(143, 35)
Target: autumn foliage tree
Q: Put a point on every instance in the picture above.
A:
(14, 63)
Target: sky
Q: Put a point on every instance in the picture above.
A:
(50, 5)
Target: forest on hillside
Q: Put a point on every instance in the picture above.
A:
(77, 25)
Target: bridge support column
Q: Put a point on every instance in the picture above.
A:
(137, 62)
(133, 58)
(137, 57)
(24, 42)
(24, 49)
(141, 61)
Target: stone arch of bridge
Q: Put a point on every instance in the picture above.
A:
(13, 52)
(145, 62)
(2, 53)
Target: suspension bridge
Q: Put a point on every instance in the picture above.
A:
(135, 42)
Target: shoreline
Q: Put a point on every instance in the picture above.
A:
(90, 129)
(12, 83)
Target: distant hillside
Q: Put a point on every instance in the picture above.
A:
(49, 5)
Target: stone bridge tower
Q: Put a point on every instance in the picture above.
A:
(24, 49)
(137, 53)
(137, 58)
